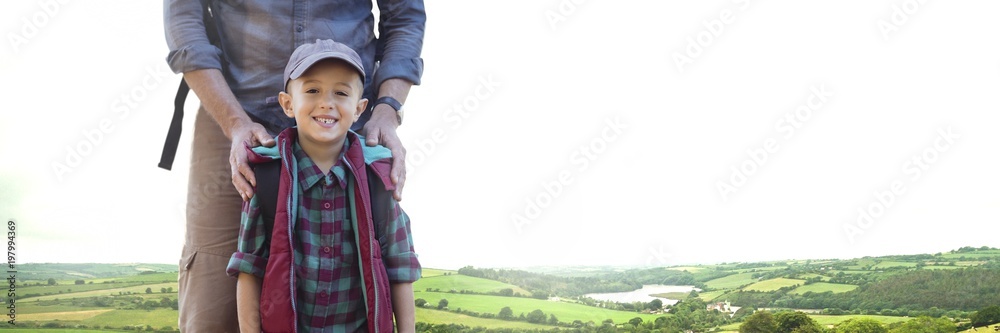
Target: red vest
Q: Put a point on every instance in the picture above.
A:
(277, 297)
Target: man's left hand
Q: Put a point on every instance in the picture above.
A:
(381, 130)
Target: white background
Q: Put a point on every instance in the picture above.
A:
(562, 70)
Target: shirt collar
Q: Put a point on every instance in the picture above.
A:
(310, 174)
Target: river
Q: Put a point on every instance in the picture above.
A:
(643, 294)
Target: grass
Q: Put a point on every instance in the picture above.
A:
(813, 275)
(432, 316)
(689, 269)
(892, 264)
(432, 272)
(565, 311)
(943, 267)
(834, 320)
(826, 320)
(118, 318)
(732, 281)
(62, 316)
(710, 295)
(459, 282)
(820, 287)
(774, 284)
(140, 290)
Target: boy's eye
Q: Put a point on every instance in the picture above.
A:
(312, 90)
(341, 93)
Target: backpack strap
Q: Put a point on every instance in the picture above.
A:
(268, 175)
(174, 132)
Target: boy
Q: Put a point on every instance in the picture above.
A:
(338, 239)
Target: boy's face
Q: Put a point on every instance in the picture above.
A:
(325, 101)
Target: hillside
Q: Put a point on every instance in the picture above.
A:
(890, 289)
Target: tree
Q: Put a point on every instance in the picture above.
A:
(506, 313)
(925, 324)
(635, 321)
(986, 316)
(655, 304)
(163, 290)
(553, 320)
(795, 321)
(536, 316)
(506, 292)
(420, 302)
(759, 322)
(149, 290)
(52, 281)
(860, 325)
(79, 281)
(443, 303)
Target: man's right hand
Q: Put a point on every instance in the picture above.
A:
(246, 133)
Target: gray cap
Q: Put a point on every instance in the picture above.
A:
(307, 55)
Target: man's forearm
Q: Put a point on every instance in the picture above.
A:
(248, 302)
(403, 307)
(217, 98)
(395, 88)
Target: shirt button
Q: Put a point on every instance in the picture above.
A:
(322, 294)
(326, 205)
(298, 28)
(326, 249)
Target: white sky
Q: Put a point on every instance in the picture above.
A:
(647, 195)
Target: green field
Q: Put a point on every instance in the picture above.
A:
(565, 311)
(431, 272)
(732, 281)
(892, 264)
(690, 269)
(461, 282)
(820, 287)
(441, 317)
(774, 284)
(827, 320)
(711, 295)
(834, 320)
(137, 289)
(813, 275)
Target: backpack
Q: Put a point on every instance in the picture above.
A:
(268, 175)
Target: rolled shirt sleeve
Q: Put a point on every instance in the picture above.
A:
(252, 249)
(400, 260)
(401, 38)
(187, 37)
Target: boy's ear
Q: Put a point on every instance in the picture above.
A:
(362, 105)
(285, 100)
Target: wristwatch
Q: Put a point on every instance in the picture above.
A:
(394, 104)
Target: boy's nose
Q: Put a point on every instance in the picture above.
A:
(327, 101)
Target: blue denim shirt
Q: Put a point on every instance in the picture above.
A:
(258, 37)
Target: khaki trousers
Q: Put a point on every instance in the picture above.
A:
(207, 296)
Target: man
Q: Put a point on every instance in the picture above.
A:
(236, 74)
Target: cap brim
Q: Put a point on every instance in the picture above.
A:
(301, 67)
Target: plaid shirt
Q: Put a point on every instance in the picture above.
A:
(328, 289)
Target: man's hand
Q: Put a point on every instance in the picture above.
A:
(381, 129)
(246, 133)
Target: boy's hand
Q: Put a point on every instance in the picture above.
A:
(381, 129)
(243, 134)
